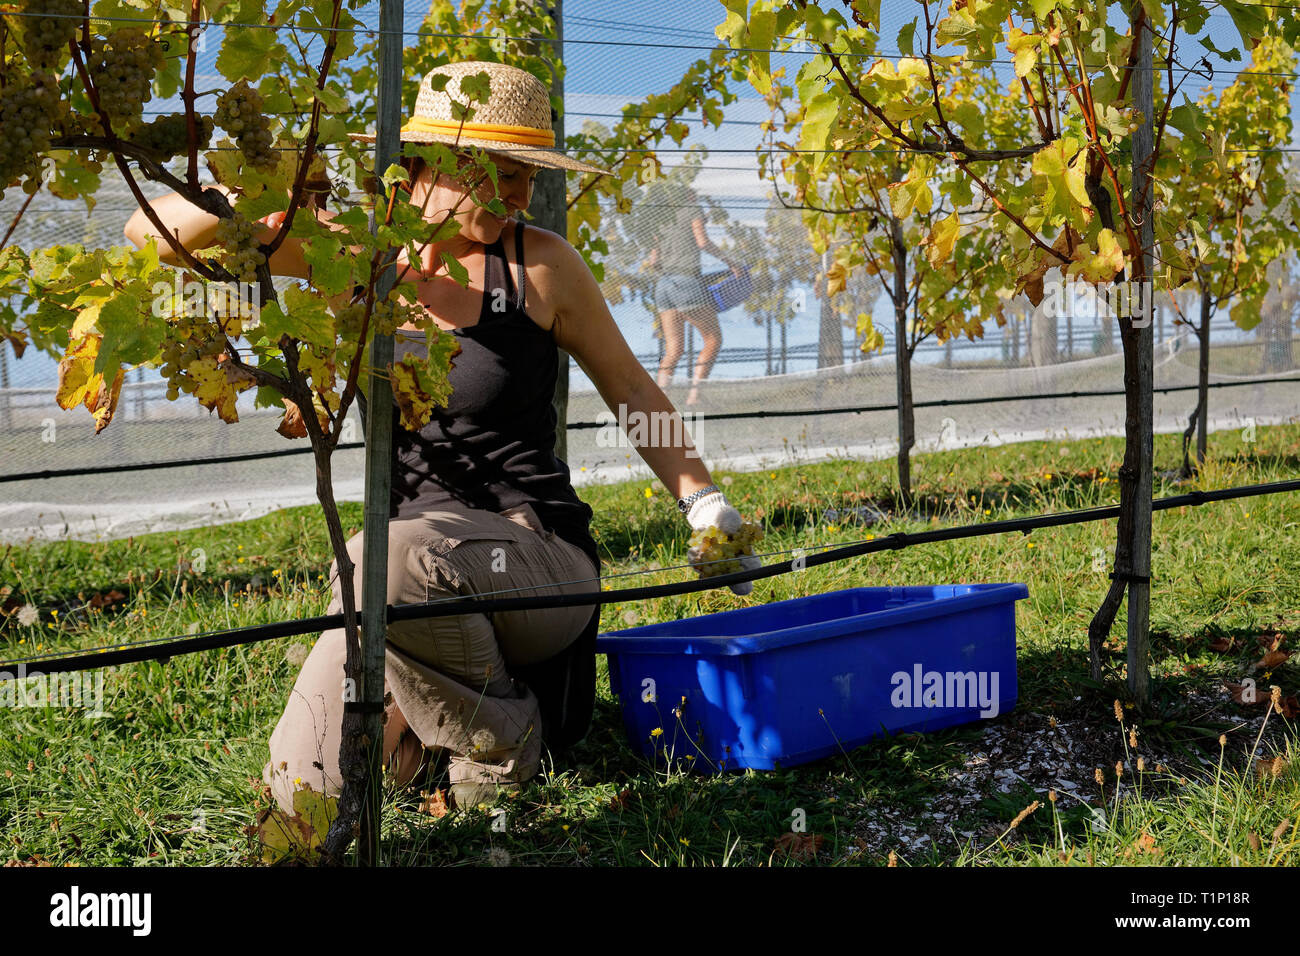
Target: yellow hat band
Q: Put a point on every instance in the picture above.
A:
(524, 135)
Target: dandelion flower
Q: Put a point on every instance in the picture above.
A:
(28, 615)
(657, 732)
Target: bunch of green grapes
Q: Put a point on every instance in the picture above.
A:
(122, 68)
(712, 545)
(242, 255)
(169, 134)
(348, 319)
(239, 113)
(45, 32)
(28, 111)
(192, 337)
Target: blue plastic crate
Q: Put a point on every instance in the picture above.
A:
(728, 289)
(792, 681)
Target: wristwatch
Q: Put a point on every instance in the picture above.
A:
(684, 504)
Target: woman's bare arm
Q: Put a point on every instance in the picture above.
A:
(196, 229)
(585, 329)
(708, 245)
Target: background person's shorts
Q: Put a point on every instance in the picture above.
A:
(679, 291)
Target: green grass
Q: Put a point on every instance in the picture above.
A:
(172, 774)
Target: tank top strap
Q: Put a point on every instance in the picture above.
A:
(497, 274)
(521, 285)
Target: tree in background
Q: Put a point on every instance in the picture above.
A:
(1236, 208)
(1100, 204)
(876, 212)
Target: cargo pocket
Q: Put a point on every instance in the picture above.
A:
(468, 552)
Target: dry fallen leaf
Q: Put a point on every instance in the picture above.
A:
(434, 804)
(800, 847)
(1257, 695)
(1272, 659)
(1223, 645)
(103, 599)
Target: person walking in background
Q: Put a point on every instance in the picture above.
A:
(680, 295)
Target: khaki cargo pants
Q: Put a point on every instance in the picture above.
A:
(447, 679)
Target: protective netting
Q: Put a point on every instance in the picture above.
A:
(782, 350)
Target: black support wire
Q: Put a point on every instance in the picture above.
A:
(166, 648)
(760, 413)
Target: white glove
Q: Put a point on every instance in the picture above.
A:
(716, 511)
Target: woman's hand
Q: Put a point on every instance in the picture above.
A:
(715, 511)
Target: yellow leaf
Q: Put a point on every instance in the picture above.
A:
(1102, 265)
(837, 277)
(105, 403)
(213, 389)
(942, 239)
(298, 836)
(77, 379)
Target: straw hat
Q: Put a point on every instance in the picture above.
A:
(514, 122)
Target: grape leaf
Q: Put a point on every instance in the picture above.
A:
(762, 28)
(957, 28)
(213, 388)
(942, 239)
(330, 272)
(80, 384)
(245, 54)
(303, 317)
(905, 37)
(132, 335)
(1231, 55)
(818, 117)
(455, 268)
(297, 836)
(1102, 265)
(419, 386)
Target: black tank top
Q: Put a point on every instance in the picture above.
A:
(492, 447)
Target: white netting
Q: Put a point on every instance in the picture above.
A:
(779, 352)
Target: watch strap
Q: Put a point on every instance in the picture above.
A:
(684, 504)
